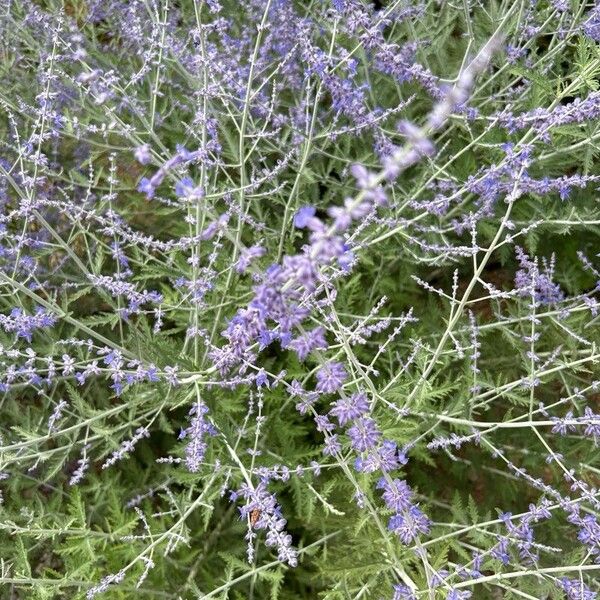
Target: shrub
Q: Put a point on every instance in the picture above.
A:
(299, 299)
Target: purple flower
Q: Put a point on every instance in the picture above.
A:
(592, 422)
(19, 322)
(458, 595)
(262, 379)
(56, 415)
(409, 525)
(270, 518)
(196, 434)
(145, 187)
(304, 216)
(397, 494)
(575, 589)
(184, 186)
(83, 464)
(214, 6)
(309, 341)
(323, 424)
(385, 458)
(403, 592)
(126, 447)
(531, 281)
(142, 154)
(591, 28)
(364, 434)
(247, 256)
(420, 143)
(500, 551)
(563, 425)
(105, 584)
(589, 533)
(332, 445)
(351, 407)
(330, 377)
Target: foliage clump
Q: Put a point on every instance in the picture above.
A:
(299, 299)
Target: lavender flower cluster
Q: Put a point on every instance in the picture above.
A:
(349, 250)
